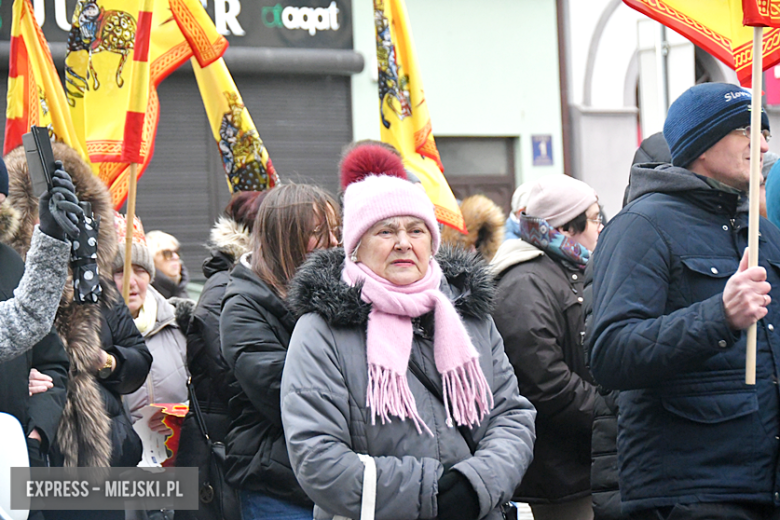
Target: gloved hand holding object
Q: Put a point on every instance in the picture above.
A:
(59, 210)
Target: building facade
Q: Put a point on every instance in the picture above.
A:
(306, 70)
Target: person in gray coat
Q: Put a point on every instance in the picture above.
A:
(27, 317)
(371, 382)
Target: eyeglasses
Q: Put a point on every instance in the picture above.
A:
(598, 219)
(167, 254)
(324, 232)
(746, 132)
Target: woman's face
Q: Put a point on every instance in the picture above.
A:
(325, 233)
(593, 226)
(139, 282)
(398, 249)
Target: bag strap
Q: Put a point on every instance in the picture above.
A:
(196, 409)
(368, 499)
(434, 389)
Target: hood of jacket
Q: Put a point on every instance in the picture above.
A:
(84, 432)
(317, 287)
(89, 188)
(228, 241)
(230, 237)
(512, 252)
(485, 224)
(649, 178)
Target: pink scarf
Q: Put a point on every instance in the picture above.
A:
(389, 344)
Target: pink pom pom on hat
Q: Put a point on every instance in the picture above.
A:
(378, 197)
(370, 159)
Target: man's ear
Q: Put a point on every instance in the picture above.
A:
(566, 232)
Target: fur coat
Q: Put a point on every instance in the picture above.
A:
(83, 436)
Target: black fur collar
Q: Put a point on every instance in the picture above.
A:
(317, 287)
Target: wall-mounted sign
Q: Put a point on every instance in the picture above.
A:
(320, 24)
(542, 150)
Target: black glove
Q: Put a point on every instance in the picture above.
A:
(457, 499)
(36, 453)
(58, 208)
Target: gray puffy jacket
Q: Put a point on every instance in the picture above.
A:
(327, 424)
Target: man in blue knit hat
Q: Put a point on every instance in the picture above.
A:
(673, 297)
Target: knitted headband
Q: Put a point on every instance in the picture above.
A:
(141, 256)
(378, 197)
(703, 115)
(558, 199)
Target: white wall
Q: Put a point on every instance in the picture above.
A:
(603, 73)
(489, 68)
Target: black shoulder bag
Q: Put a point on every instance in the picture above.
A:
(508, 509)
(218, 501)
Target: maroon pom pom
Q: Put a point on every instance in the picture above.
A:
(370, 159)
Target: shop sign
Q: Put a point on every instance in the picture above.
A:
(322, 24)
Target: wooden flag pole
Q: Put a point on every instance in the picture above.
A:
(755, 181)
(131, 184)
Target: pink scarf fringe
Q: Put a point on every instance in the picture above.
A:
(469, 393)
(388, 394)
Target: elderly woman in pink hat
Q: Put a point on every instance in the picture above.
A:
(396, 393)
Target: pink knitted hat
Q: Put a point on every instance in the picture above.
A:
(558, 199)
(378, 197)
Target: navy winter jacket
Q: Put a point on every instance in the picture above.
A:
(690, 429)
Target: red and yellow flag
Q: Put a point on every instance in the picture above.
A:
(115, 116)
(406, 123)
(717, 27)
(35, 94)
(761, 13)
(244, 157)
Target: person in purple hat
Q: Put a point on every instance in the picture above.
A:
(673, 297)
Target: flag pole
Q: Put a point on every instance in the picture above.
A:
(131, 185)
(755, 181)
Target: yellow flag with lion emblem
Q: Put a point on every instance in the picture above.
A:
(406, 123)
(109, 43)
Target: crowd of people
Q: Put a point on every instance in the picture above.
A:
(348, 353)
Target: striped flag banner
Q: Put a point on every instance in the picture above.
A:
(139, 87)
(35, 93)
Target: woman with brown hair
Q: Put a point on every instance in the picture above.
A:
(255, 329)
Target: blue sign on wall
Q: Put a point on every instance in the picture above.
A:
(542, 150)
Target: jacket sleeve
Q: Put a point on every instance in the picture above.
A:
(316, 415)
(635, 343)
(28, 316)
(129, 348)
(507, 447)
(533, 326)
(204, 346)
(255, 353)
(45, 409)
